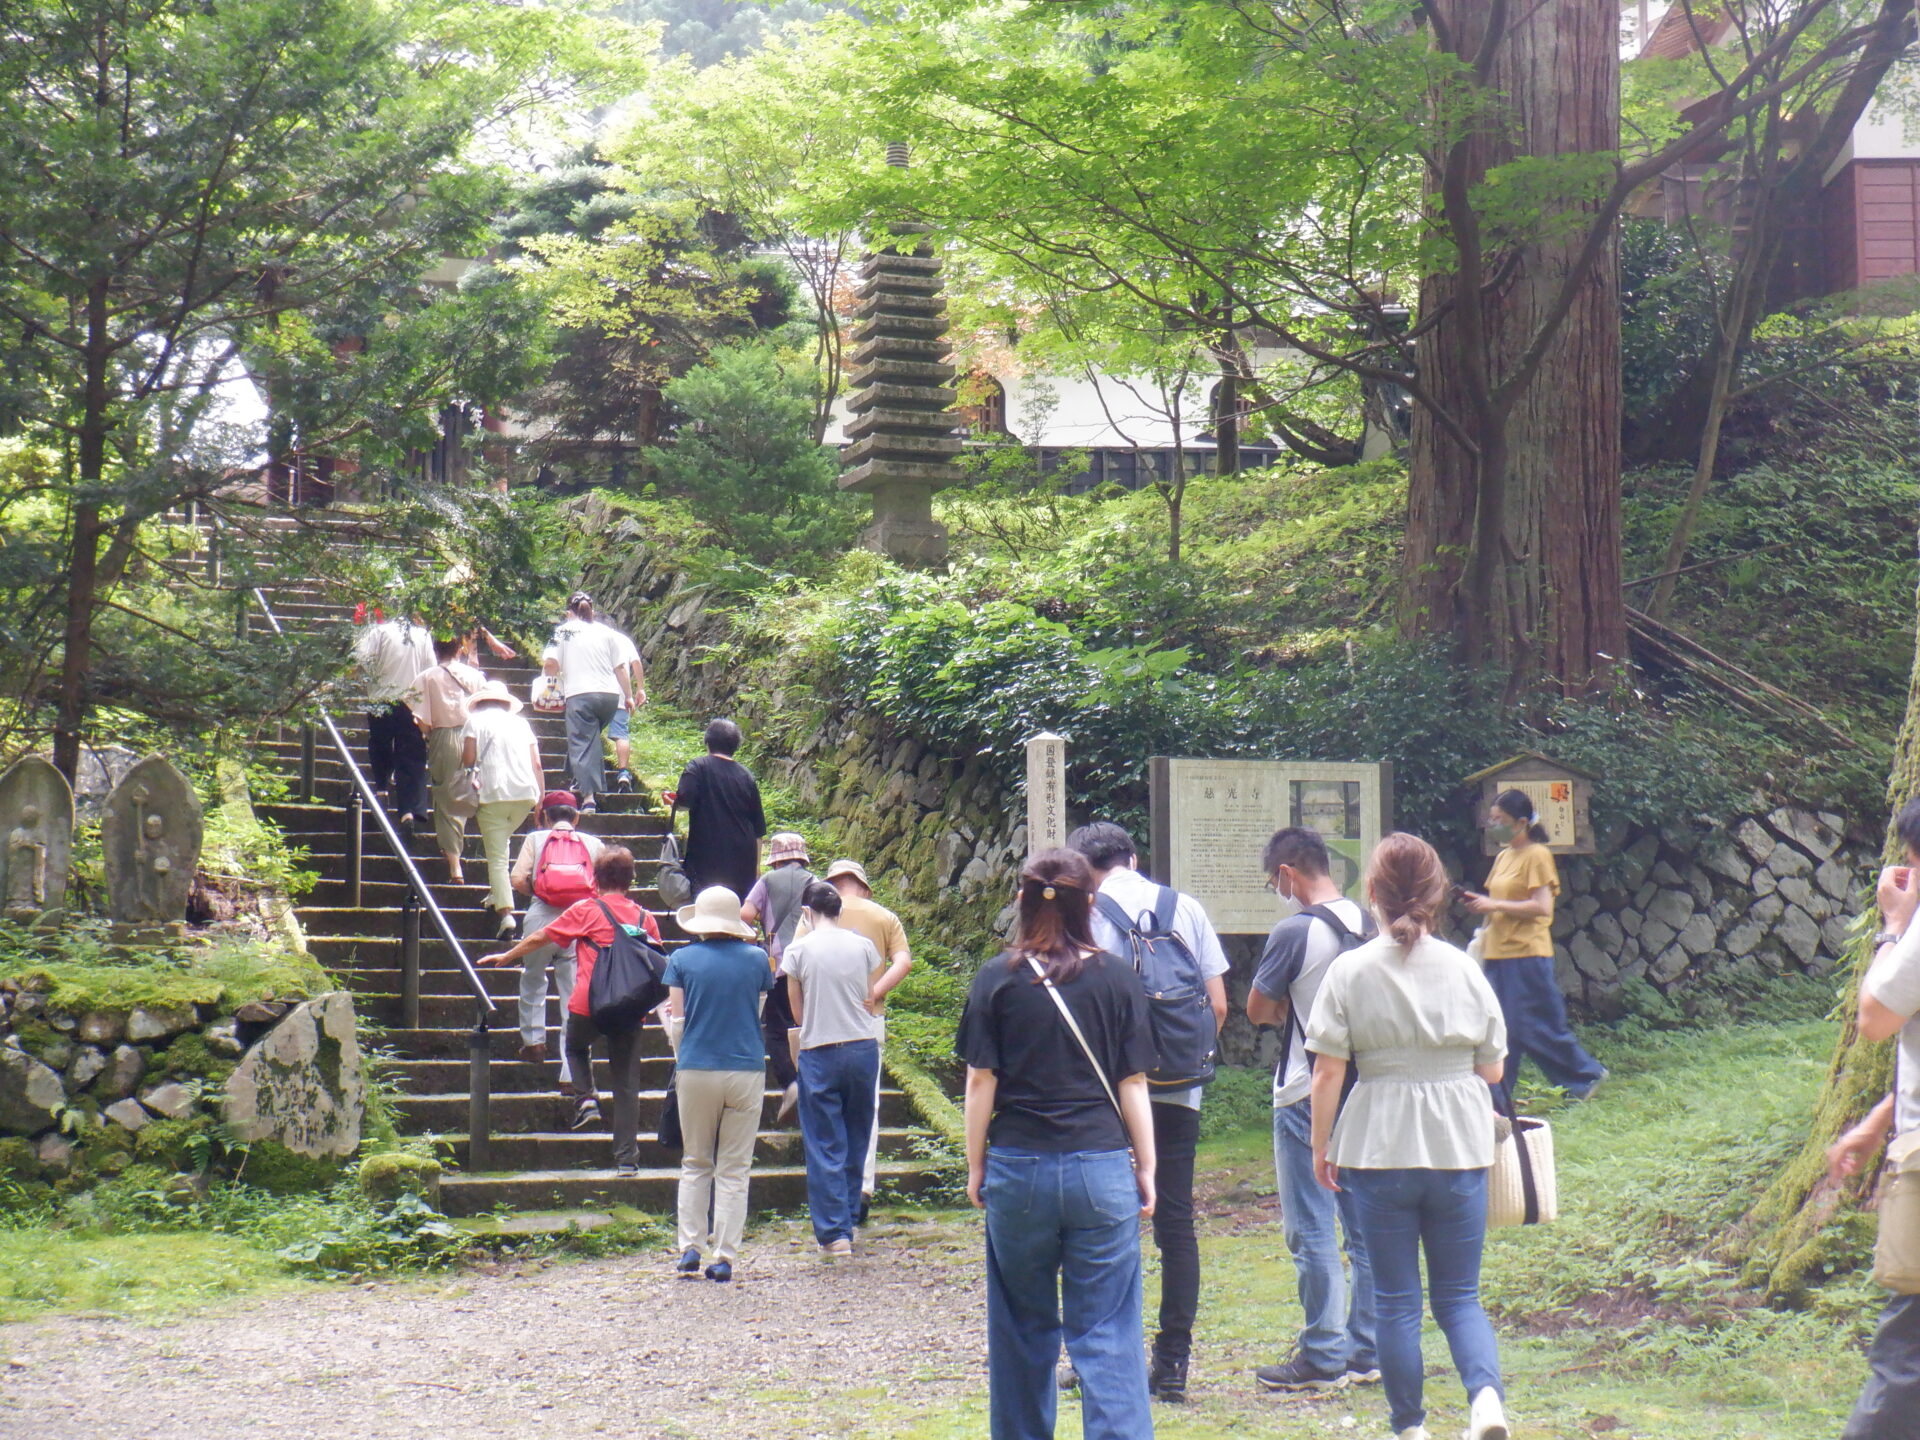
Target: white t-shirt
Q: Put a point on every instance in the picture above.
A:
(1291, 968)
(835, 969)
(503, 755)
(1894, 980)
(391, 655)
(1137, 895)
(588, 652)
(629, 652)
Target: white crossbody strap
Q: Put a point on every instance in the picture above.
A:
(1074, 1025)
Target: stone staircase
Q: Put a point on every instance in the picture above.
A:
(533, 1160)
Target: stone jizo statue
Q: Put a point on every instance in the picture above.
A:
(36, 816)
(150, 833)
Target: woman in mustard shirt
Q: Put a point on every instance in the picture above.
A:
(1519, 951)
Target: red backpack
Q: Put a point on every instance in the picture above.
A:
(564, 872)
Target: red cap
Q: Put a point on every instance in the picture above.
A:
(559, 797)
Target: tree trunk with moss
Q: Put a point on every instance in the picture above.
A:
(1805, 1227)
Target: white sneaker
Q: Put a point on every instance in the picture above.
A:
(1487, 1420)
(1413, 1432)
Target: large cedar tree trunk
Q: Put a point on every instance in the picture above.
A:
(1799, 1230)
(1515, 555)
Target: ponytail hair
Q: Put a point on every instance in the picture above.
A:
(1055, 908)
(821, 898)
(580, 605)
(1519, 805)
(1407, 885)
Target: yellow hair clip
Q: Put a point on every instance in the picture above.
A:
(1048, 893)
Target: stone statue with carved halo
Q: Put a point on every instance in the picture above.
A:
(150, 834)
(36, 839)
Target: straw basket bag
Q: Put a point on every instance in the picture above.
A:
(1522, 1188)
(1896, 1254)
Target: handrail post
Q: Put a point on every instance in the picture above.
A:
(356, 844)
(410, 961)
(306, 763)
(479, 1094)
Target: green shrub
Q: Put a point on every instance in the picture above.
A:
(1238, 1099)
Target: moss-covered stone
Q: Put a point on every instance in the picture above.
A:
(171, 1142)
(273, 1167)
(190, 1058)
(396, 1173)
(43, 1042)
(18, 1161)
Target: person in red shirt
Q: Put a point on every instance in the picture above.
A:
(584, 927)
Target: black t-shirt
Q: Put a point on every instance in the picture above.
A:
(724, 824)
(1049, 1097)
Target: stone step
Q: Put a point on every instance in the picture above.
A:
(530, 1112)
(589, 1149)
(448, 1075)
(772, 1187)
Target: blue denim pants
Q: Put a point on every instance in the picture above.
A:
(1537, 1027)
(1444, 1213)
(1063, 1261)
(1338, 1333)
(837, 1088)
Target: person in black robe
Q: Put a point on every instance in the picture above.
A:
(724, 817)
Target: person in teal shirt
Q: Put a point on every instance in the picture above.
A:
(717, 985)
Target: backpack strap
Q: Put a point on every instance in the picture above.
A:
(1066, 1013)
(1295, 1025)
(1108, 906)
(1164, 907)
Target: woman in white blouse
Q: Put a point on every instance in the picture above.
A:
(1414, 1140)
(500, 747)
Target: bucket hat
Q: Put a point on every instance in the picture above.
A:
(714, 911)
(786, 846)
(849, 867)
(496, 691)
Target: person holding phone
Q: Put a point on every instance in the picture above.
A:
(1057, 1042)
(1518, 905)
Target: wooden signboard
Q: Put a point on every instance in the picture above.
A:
(1562, 801)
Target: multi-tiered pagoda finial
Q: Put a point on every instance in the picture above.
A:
(903, 434)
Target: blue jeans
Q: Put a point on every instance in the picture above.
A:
(1063, 1235)
(1338, 1334)
(836, 1117)
(1444, 1212)
(1536, 1014)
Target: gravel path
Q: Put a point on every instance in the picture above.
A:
(795, 1348)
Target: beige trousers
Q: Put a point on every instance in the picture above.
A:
(719, 1120)
(498, 819)
(443, 763)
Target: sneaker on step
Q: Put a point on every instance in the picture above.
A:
(587, 807)
(1487, 1420)
(1299, 1374)
(535, 1054)
(623, 783)
(586, 1113)
(1066, 1377)
(626, 1172)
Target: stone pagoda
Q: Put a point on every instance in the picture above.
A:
(903, 426)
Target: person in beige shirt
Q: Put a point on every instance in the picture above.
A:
(861, 914)
(438, 700)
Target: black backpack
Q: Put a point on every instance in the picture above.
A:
(629, 978)
(1295, 1025)
(1185, 1035)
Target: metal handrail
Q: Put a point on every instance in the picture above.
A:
(419, 897)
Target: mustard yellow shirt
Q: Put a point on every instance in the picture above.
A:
(1516, 875)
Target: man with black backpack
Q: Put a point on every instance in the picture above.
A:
(1172, 946)
(1336, 1346)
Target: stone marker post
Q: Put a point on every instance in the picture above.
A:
(1046, 792)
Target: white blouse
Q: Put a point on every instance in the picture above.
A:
(1414, 1024)
(503, 755)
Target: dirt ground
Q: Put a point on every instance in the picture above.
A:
(794, 1348)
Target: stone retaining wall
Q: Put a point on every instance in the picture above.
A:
(1772, 895)
(86, 1095)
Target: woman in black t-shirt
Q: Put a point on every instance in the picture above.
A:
(1048, 1131)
